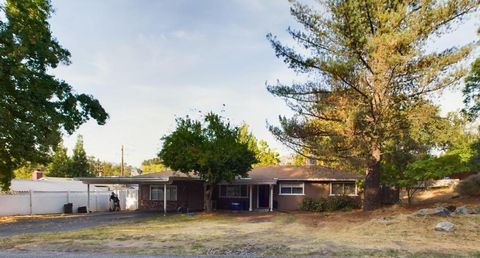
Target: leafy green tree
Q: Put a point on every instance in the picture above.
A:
(26, 170)
(95, 165)
(35, 107)
(210, 149)
(60, 163)
(408, 161)
(264, 154)
(299, 160)
(456, 160)
(152, 165)
(367, 71)
(267, 156)
(103, 168)
(79, 165)
(110, 169)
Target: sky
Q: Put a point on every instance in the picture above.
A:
(148, 62)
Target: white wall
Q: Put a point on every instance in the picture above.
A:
(44, 202)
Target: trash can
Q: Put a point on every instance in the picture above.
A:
(82, 209)
(236, 206)
(68, 208)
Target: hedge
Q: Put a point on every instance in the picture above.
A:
(331, 203)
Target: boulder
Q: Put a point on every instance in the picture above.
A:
(444, 226)
(439, 211)
(475, 210)
(451, 208)
(464, 210)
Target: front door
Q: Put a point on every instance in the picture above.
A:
(263, 196)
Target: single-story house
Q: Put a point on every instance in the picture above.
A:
(268, 188)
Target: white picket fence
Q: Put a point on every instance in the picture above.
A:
(45, 202)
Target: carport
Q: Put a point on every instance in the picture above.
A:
(127, 181)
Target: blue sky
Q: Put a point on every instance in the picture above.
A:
(150, 61)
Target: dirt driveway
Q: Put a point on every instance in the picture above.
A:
(70, 223)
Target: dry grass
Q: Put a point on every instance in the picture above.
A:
(387, 232)
(349, 233)
(10, 219)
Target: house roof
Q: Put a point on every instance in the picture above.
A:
(165, 177)
(301, 173)
(259, 175)
(169, 174)
(48, 184)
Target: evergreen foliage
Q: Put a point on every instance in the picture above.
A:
(368, 71)
(60, 163)
(79, 165)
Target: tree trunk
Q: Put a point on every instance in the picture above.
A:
(410, 193)
(208, 205)
(372, 198)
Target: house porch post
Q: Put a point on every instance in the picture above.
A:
(88, 198)
(164, 199)
(250, 198)
(271, 198)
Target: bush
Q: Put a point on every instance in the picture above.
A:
(310, 204)
(336, 203)
(332, 203)
(470, 186)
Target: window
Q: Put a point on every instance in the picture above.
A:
(156, 192)
(292, 189)
(346, 188)
(233, 191)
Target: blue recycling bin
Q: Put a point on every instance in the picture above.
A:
(236, 206)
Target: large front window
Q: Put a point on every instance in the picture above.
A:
(156, 192)
(233, 191)
(346, 188)
(292, 189)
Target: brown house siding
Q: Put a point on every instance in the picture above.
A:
(293, 202)
(189, 197)
(222, 203)
(281, 202)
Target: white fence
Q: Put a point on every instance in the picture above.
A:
(44, 202)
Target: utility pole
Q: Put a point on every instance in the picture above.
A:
(122, 169)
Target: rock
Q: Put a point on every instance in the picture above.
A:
(451, 208)
(475, 210)
(455, 195)
(463, 210)
(444, 226)
(439, 211)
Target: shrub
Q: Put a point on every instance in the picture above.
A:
(332, 203)
(336, 203)
(469, 186)
(310, 204)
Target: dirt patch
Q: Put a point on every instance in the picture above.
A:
(11, 219)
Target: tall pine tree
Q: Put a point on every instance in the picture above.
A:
(79, 166)
(60, 162)
(368, 68)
